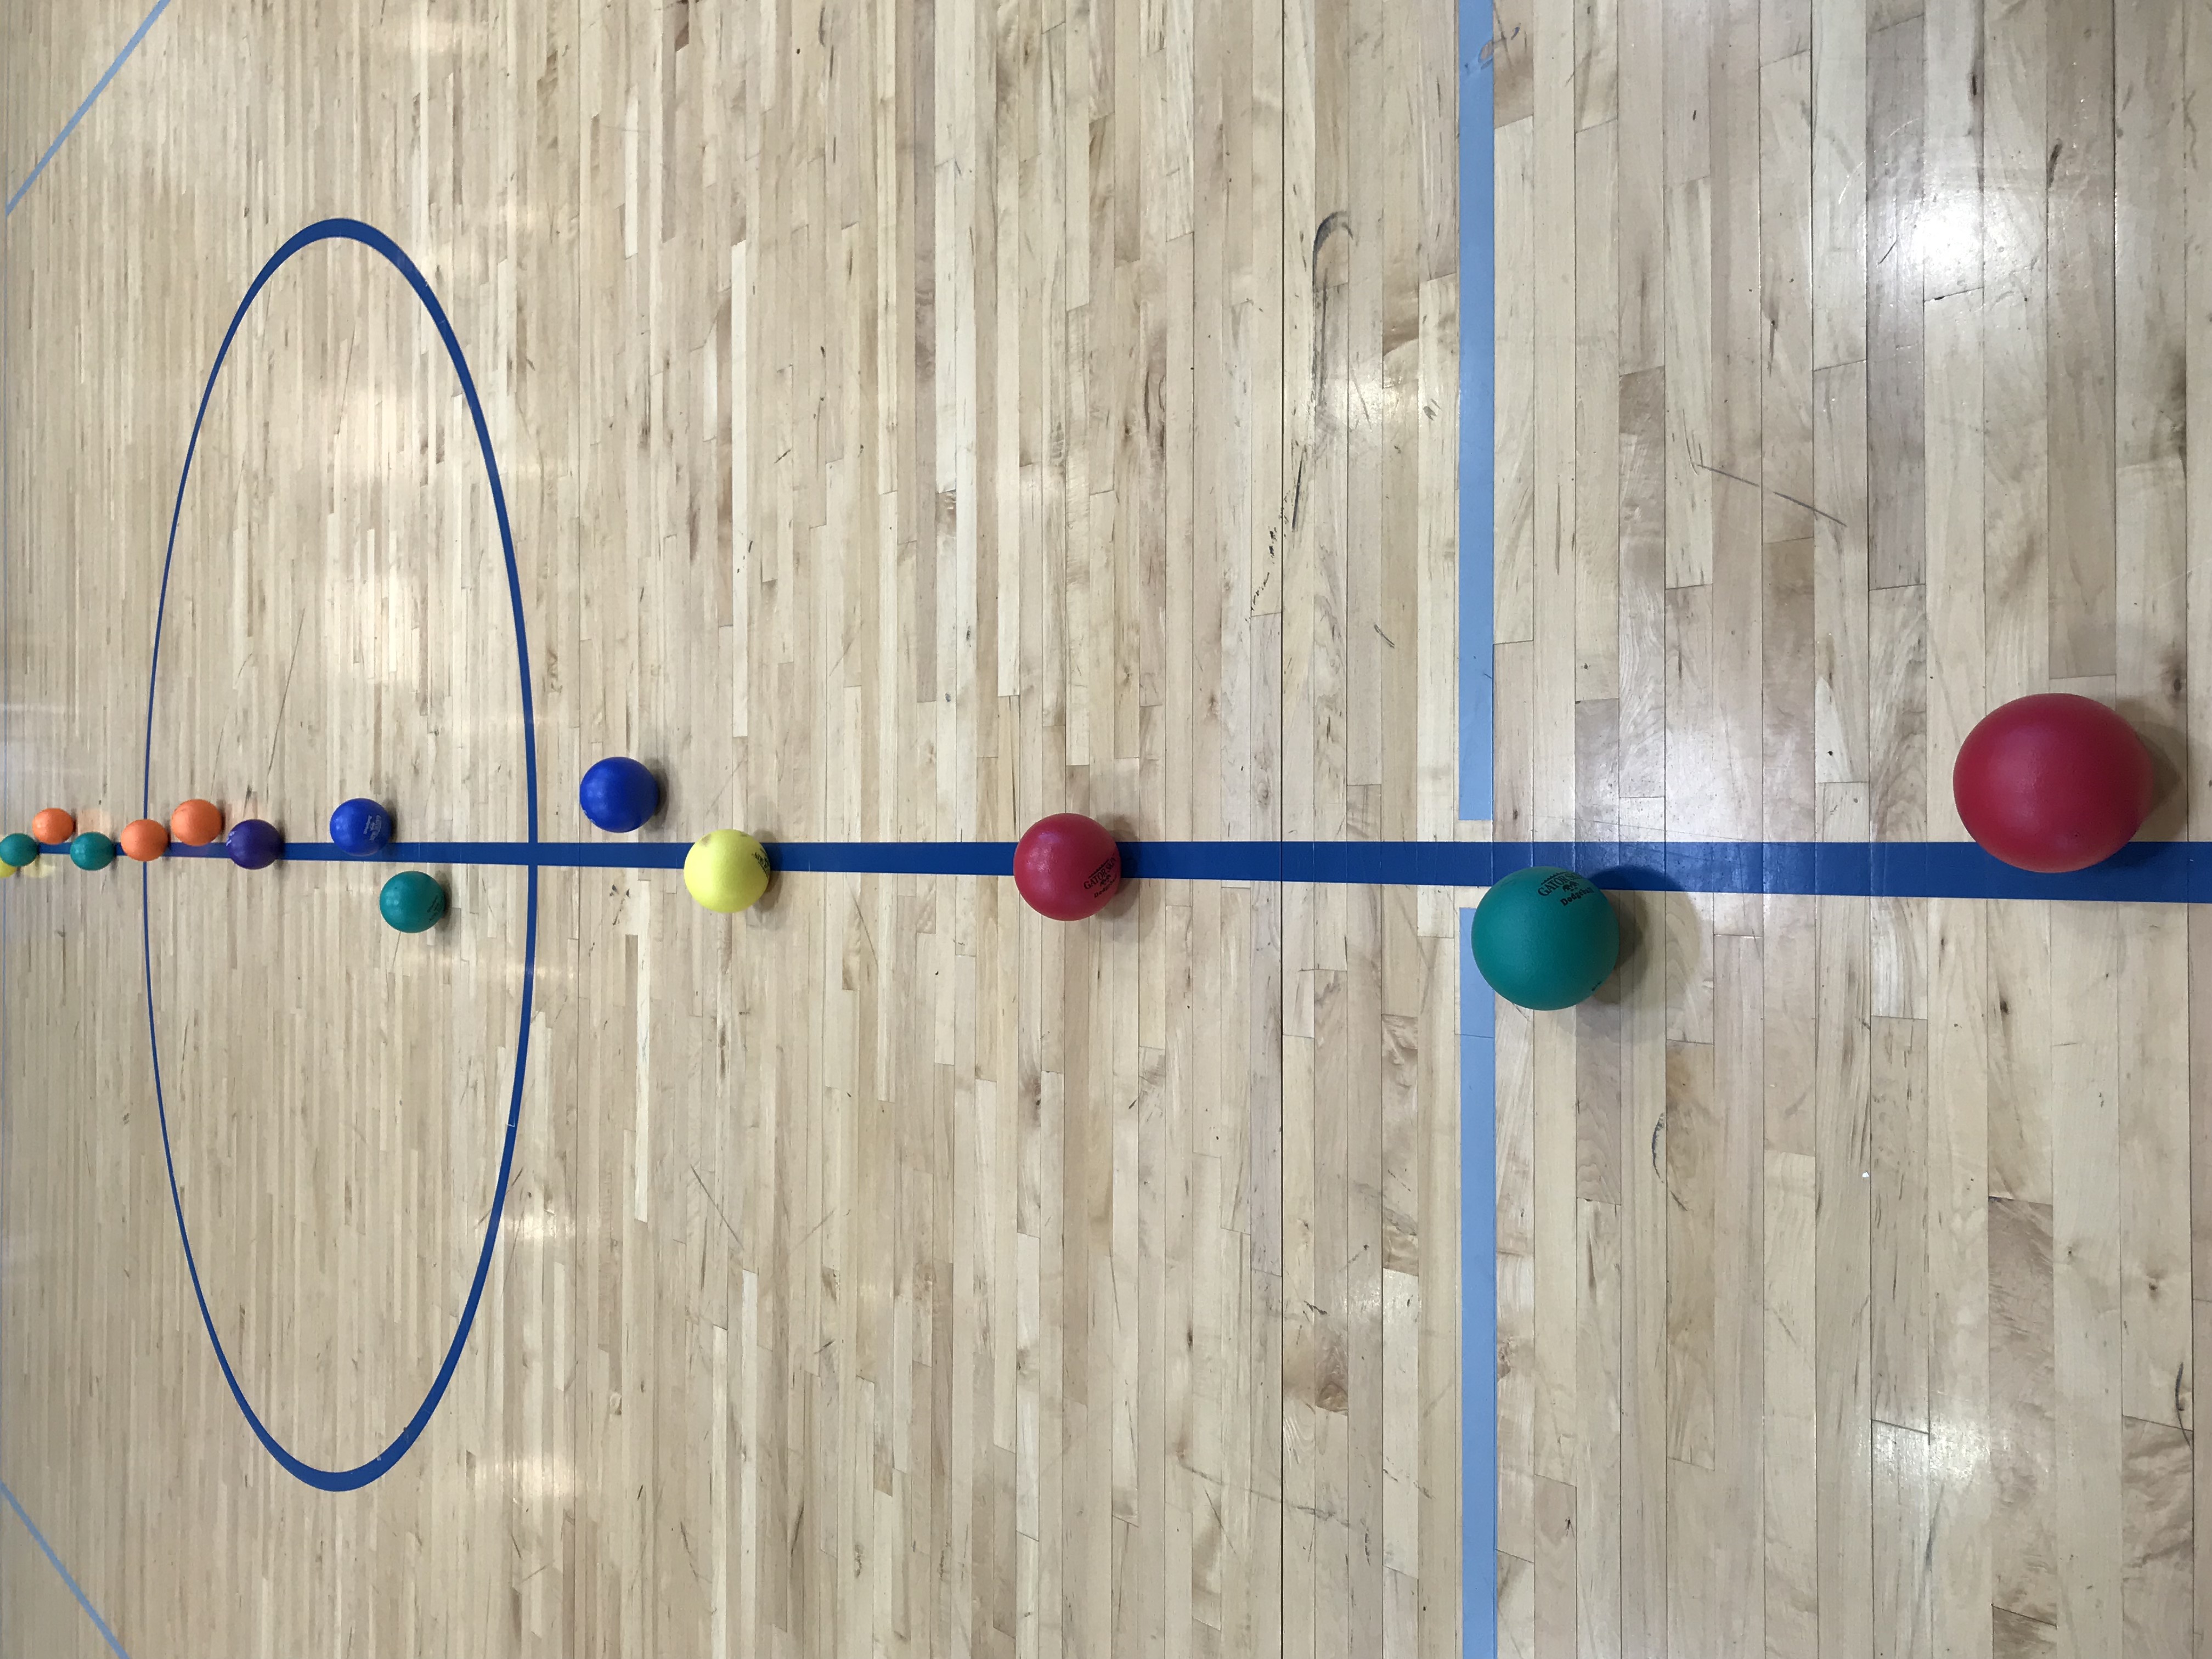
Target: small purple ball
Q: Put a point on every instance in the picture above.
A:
(253, 844)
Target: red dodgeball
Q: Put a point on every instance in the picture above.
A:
(1067, 867)
(2052, 782)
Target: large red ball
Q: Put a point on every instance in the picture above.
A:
(2052, 782)
(1068, 866)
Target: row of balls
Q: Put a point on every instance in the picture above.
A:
(726, 871)
(1067, 867)
(411, 902)
(2049, 783)
(252, 844)
(617, 794)
(360, 826)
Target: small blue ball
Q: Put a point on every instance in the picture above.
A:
(618, 794)
(361, 828)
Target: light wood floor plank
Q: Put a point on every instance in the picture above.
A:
(2150, 410)
(2079, 331)
(2085, 1258)
(1646, 1214)
(1843, 1269)
(1786, 204)
(1900, 212)
(1641, 263)
(1962, 1486)
(1840, 51)
(1597, 417)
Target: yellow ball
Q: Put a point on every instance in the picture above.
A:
(6, 870)
(725, 870)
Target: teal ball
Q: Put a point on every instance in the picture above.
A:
(92, 851)
(18, 851)
(412, 902)
(1545, 937)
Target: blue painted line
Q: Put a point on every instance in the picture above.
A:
(346, 1480)
(7, 732)
(90, 98)
(519, 854)
(1478, 523)
(75, 1589)
(1478, 1293)
(1478, 407)
(2147, 873)
(1477, 346)
(975, 858)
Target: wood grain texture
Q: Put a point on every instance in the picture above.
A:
(916, 419)
(919, 418)
(1964, 1241)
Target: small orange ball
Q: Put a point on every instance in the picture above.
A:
(195, 823)
(145, 840)
(53, 826)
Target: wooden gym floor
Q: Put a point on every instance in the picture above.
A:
(918, 417)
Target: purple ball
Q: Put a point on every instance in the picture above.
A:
(254, 845)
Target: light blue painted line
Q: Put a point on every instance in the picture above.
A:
(75, 1589)
(1479, 700)
(99, 86)
(1478, 408)
(7, 723)
(1479, 1014)
(1478, 1296)
(1478, 1057)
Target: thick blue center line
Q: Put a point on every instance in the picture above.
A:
(75, 1589)
(2147, 873)
(90, 98)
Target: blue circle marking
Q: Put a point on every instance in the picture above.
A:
(352, 230)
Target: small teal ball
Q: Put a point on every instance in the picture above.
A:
(412, 902)
(92, 851)
(18, 851)
(1545, 937)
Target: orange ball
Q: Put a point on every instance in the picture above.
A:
(145, 840)
(195, 823)
(53, 826)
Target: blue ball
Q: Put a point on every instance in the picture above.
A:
(618, 794)
(361, 828)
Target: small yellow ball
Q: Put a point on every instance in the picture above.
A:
(6, 871)
(725, 870)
